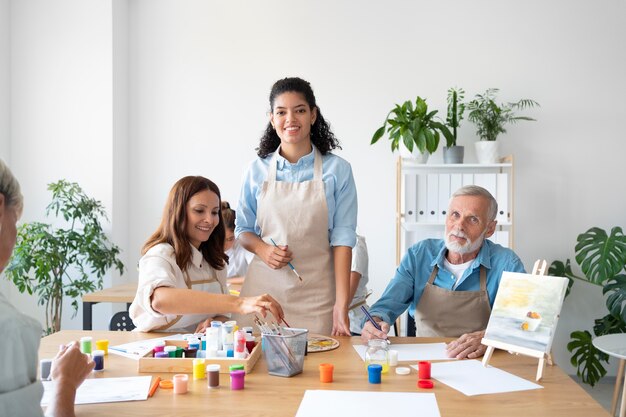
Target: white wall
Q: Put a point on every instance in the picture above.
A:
(4, 79)
(5, 144)
(61, 105)
(199, 74)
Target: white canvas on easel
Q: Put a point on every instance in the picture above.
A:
(525, 314)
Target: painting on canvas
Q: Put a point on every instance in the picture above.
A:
(526, 310)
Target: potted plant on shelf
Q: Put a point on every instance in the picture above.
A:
(490, 120)
(415, 127)
(57, 262)
(452, 153)
(602, 260)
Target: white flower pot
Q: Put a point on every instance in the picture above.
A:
(487, 151)
(420, 158)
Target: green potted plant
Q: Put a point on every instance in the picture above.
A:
(490, 119)
(58, 262)
(602, 260)
(414, 126)
(452, 153)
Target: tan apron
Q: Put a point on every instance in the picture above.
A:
(444, 313)
(295, 214)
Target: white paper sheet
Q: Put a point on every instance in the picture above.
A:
(105, 390)
(413, 352)
(315, 403)
(472, 378)
(139, 349)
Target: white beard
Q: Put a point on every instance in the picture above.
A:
(468, 246)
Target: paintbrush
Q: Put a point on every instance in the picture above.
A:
(289, 263)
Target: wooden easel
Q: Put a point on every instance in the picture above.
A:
(540, 268)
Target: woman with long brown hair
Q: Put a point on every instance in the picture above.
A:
(182, 275)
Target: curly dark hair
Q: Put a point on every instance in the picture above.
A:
(321, 135)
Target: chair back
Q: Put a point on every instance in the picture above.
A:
(121, 322)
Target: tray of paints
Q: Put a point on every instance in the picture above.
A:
(185, 364)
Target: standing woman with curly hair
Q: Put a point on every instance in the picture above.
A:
(301, 197)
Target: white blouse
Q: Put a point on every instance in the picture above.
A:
(238, 260)
(158, 268)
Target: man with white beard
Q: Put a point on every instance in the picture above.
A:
(450, 285)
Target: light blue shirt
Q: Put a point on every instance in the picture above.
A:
(406, 287)
(339, 187)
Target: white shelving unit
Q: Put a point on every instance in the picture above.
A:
(423, 192)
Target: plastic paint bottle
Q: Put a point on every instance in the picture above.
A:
(373, 373)
(198, 369)
(98, 358)
(85, 344)
(218, 325)
(180, 383)
(212, 338)
(237, 379)
(213, 375)
(170, 350)
(240, 345)
(103, 344)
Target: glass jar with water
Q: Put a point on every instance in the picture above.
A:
(377, 353)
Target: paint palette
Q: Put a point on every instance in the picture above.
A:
(319, 343)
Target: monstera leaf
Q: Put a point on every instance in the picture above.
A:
(609, 324)
(586, 358)
(600, 256)
(616, 302)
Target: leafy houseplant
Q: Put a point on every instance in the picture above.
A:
(414, 126)
(64, 261)
(491, 118)
(602, 259)
(453, 153)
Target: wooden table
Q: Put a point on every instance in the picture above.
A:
(124, 293)
(266, 395)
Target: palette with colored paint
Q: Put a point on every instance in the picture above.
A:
(319, 343)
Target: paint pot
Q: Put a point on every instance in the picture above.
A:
(423, 369)
(191, 352)
(198, 369)
(237, 379)
(98, 358)
(103, 345)
(158, 347)
(170, 350)
(374, 372)
(180, 383)
(179, 352)
(213, 375)
(326, 372)
(161, 355)
(85, 344)
(44, 369)
(393, 357)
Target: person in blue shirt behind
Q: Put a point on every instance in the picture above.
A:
(450, 285)
(302, 197)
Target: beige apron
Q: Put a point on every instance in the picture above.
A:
(295, 214)
(444, 313)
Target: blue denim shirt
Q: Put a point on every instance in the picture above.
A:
(339, 188)
(406, 287)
